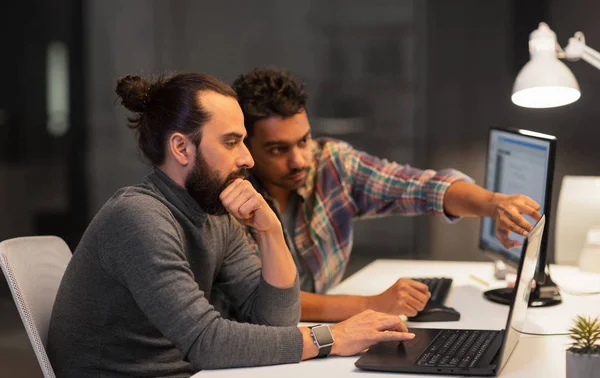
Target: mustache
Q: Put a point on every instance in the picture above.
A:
(295, 171)
(240, 173)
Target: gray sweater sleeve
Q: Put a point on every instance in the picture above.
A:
(256, 300)
(143, 250)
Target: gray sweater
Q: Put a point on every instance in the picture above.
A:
(133, 300)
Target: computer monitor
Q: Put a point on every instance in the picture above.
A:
(520, 162)
(578, 212)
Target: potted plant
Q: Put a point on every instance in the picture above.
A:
(583, 356)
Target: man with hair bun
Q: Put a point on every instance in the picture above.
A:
(133, 299)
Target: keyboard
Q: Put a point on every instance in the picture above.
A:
(439, 287)
(457, 348)
(436, 310)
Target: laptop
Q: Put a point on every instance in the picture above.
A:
(463, 352)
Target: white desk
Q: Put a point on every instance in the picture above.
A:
(467, 298)
(535, 356)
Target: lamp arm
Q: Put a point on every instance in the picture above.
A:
(591, 56)
(577, 49)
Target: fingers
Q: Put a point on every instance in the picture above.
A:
(510, 216)
(249, 207)
(419, 296)
(531, 211)
(386, 322)
(511, 220)
(241, 199)
(510, 244)
(421, 287)
(361, 331)
(394, 336)
(513, 244)
(392, 324)
(531, 203)
(519, 224)
(414, 305)
(225, 193)
(415, 289)
(527, 206)
(502, 236)
(405, 297)
(408, 310)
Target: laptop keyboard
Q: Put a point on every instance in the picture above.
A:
(457, 348)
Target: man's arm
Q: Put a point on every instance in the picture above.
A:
(404, 297)
(255, 300)
(275, 301)
(247, 205)
(380, 187)
(467, 199)
(144, 252)
(330, 308)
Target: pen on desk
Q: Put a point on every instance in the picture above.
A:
(475, 278)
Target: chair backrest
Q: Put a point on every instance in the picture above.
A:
(33, 267)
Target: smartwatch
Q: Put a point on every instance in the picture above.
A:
(323, 338)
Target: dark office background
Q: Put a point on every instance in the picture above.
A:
(414, 81)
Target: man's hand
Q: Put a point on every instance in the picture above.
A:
(249, 207)
(508, 215)
(368, 328)
(405, 297)
(246, 204)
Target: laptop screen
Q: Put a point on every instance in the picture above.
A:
(525, 278)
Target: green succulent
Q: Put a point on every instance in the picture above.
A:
(585, 335)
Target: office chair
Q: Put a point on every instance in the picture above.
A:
(33, 267)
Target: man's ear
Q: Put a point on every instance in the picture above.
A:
(180, 148)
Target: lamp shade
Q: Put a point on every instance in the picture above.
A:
(545, 81)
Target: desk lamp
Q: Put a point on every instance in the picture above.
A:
(545, 81)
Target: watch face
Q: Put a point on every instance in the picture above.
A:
(323, 335)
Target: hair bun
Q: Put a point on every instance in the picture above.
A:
(134, 92)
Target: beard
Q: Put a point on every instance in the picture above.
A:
(286, 181)
(204, 185)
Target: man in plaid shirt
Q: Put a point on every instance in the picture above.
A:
(318, 186)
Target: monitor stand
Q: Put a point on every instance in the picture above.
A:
(543, 295)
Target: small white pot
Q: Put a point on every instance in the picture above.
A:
(583, 365)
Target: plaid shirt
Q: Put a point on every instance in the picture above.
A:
(345, 184)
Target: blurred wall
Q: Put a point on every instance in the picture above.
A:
(356, 57)
(416, 82)
(39, 168)
(154, 37)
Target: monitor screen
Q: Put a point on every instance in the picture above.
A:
(518, 162)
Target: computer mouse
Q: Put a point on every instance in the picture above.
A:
(436, 314)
